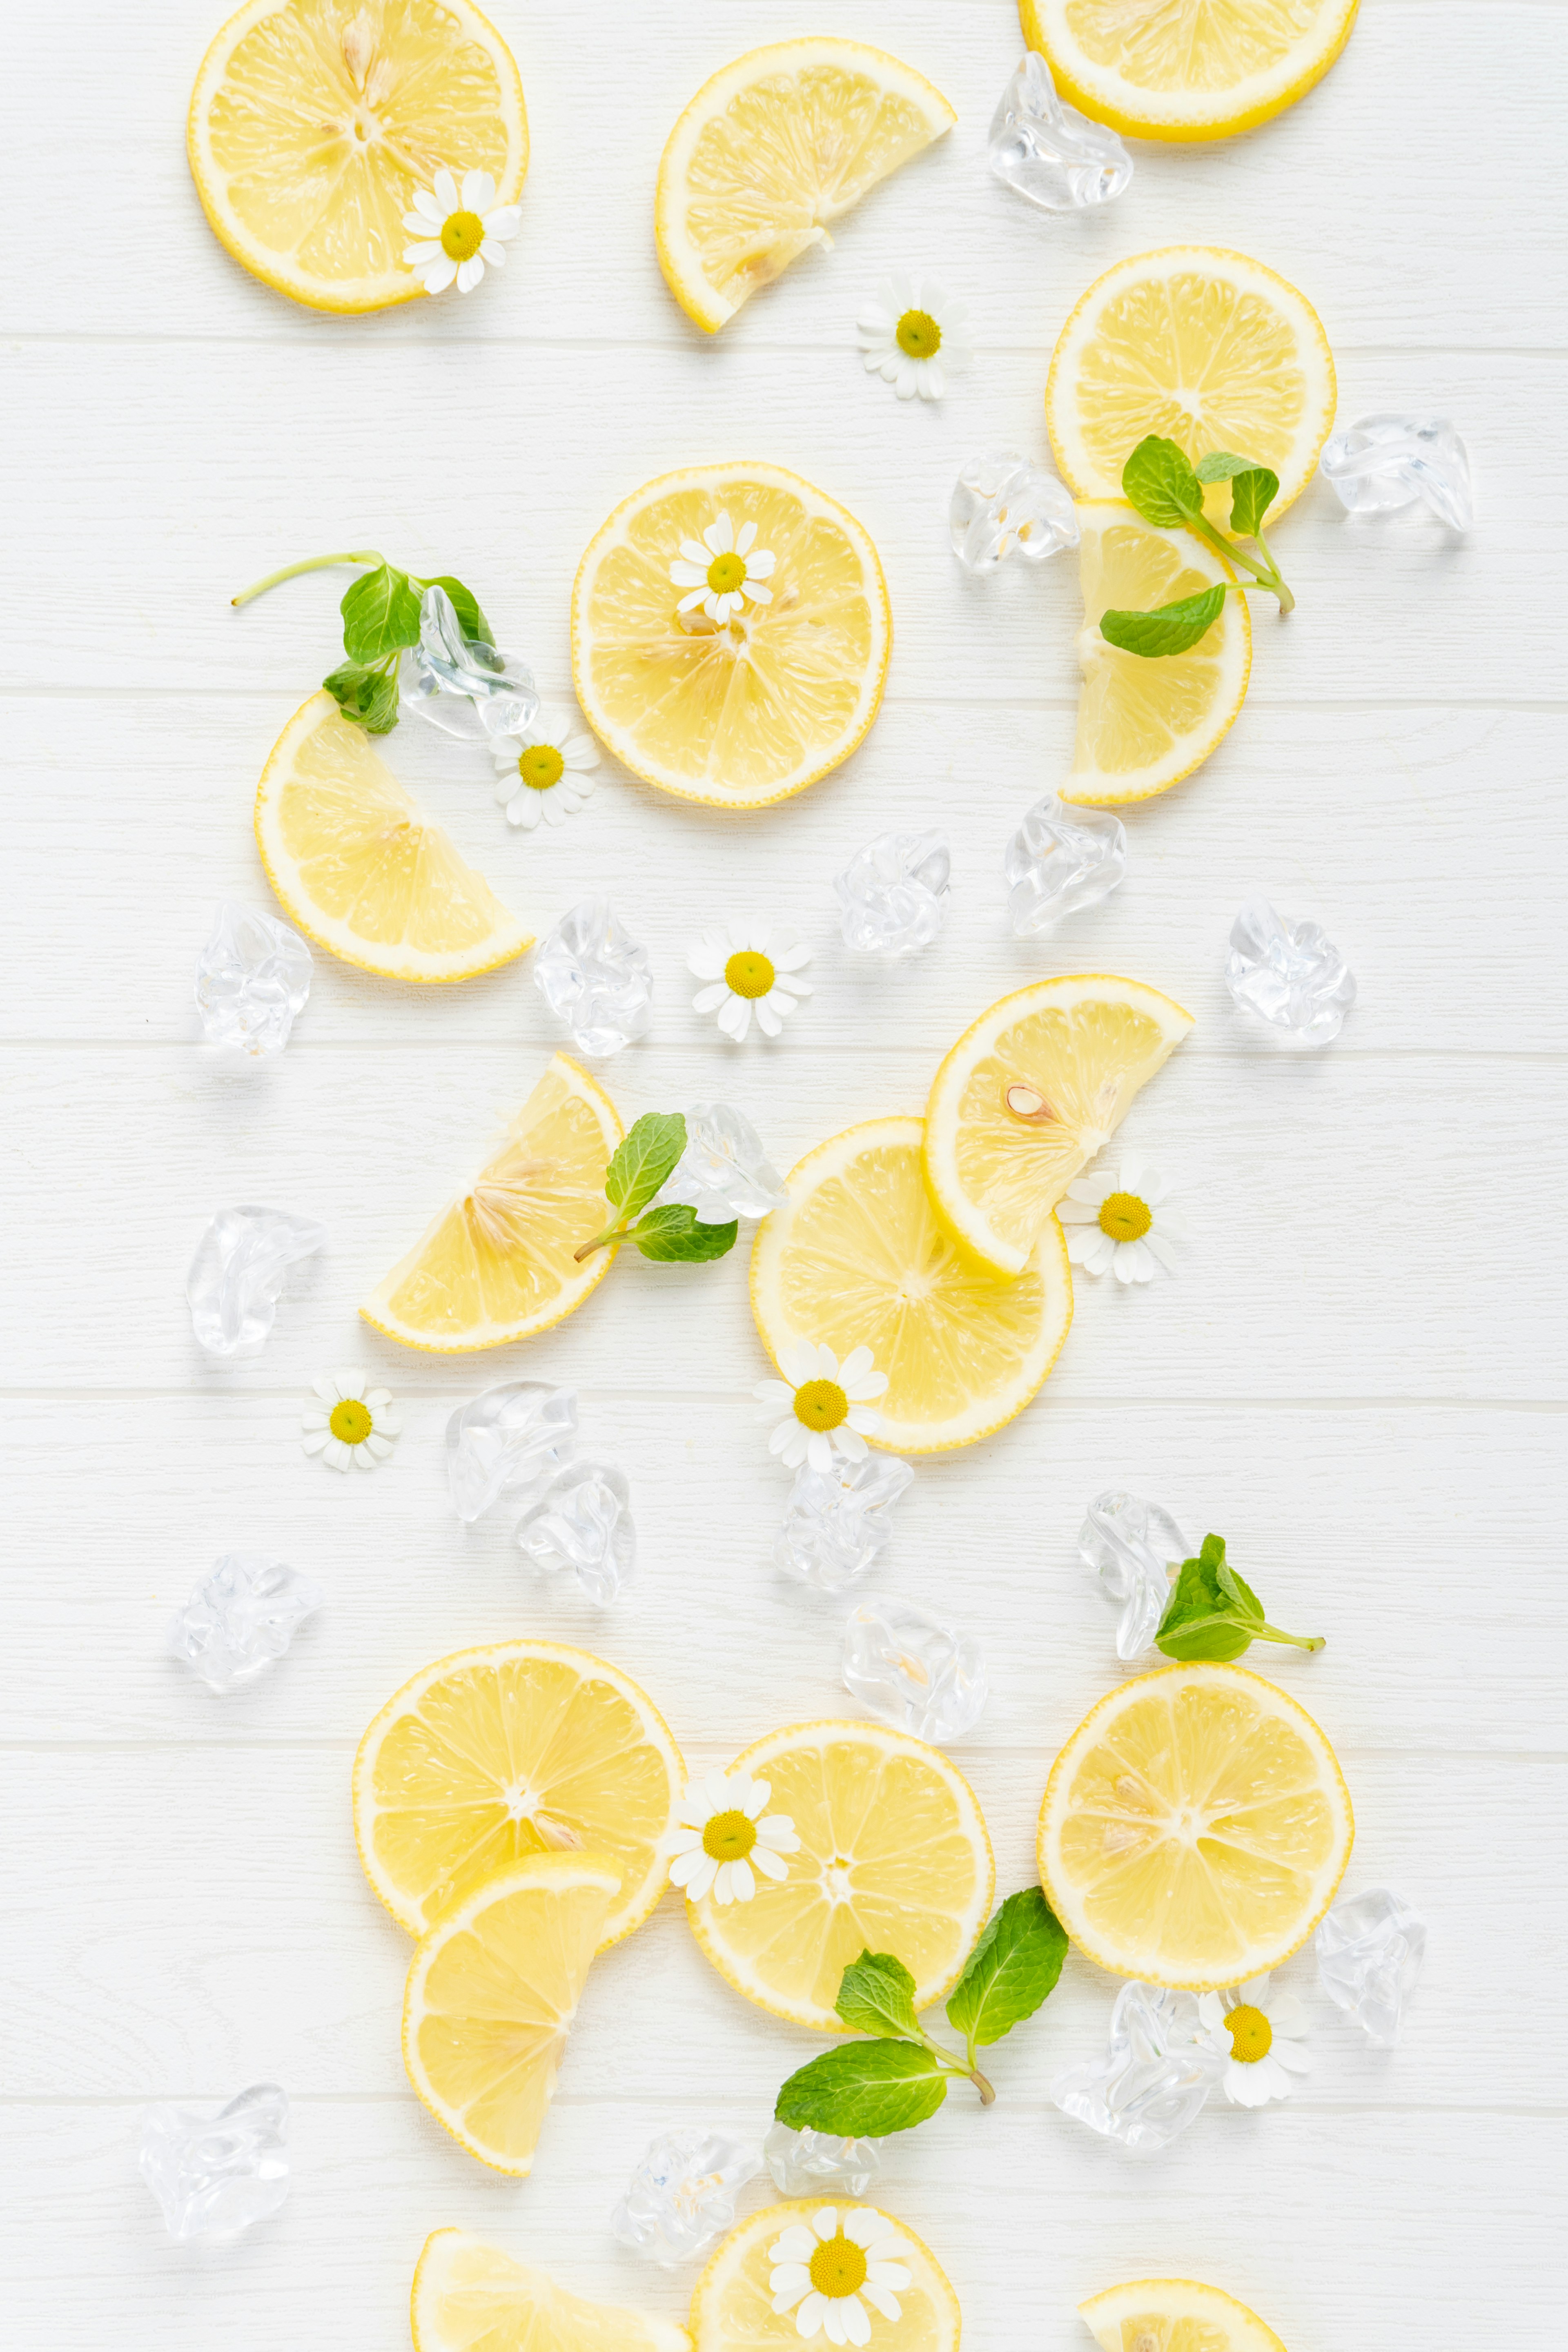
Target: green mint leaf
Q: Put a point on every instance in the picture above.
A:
(1223, 465)
(465, 603)
(864, 2090)
(876, 1995)
(1251, 496)
(647, 1158)
(367, 695)
(1214, 1616)
(1159, 479)
(673, 1236)
(380, 614)
(1011, 1970)
(1169, 629)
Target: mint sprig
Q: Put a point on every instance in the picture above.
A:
(1213, 1615)
(381, 613)
(1167, 489)
(639, 1168)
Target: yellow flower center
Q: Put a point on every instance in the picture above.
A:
(821, 1404)
(837, 2267)
(1125, 1217)
(1251, 2035)
(725, 574)
(541, 766)
(917, 333)
(729, 1837)
(462, 233)
(349, 1421)
(749, 974)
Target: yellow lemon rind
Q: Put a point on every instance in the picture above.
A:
(710, 2328)
(1141, 113)
(1104, 2314)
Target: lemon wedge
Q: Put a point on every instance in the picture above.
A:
(734, 2307)
(1186, 69)
(775, 144)
(470, 2298)
(312, 124)
(1175, 2316)
(518, 1748)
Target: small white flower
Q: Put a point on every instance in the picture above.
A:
(724, 572)
(911, 335)
(724, 1836)
(1259, 2037)
(826, 1405)
(353, 1427)
(827, 2264)
(1120, 1223)
(542, 771)
(458, 231)
(751, 968)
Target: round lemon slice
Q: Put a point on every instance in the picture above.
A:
(1031, 1091)
(470, 2298)
(858, 1257)
(1186, 69)
(845, 2247)
(313, 122)
(517, 1749)
(773, 146)
(893, 1857)
(1175, 2316)
(1204, 348)
(752, 705)
(499, 1262)
(359, 866)
(1194, 1828)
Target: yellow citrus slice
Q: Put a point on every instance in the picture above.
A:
(470, 2298)
(1031, 1091)
(893, 1857)
(516, 1749)
(1194, 1828)
(313, 122)
(1186, 69)
(359, 866)
(1207, 349)
(858, 1257)
(1143, 725)
(491, 1995)
(499, 1263)
(846, 2247)
(1175, 2316)
(770, 148)
(748, 710)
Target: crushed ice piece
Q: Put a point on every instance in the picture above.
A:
(1131, 1546)
(215, 2174)
(1060, 862)
(1004, 505)
(1157, 2070)
(836, 1521)
(681, 2198)
(915, 1669)
(595, 978)
(723, 1173)
(1287, 975)
(243, 1614)
(892, 892)
(583, 1521)
(510, 1440)
(463, 686)
(239, 1271)
(1050, 152)
(1370, 1948)
(816, 2164)
(1381, 465)
(252, 977)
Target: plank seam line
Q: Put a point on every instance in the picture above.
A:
(1088, 1402)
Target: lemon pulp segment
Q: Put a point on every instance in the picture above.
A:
(470, 2298)
(1186, 69)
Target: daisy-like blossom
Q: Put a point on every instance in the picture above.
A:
(723, 572)
(353, 1427)
(750, 968)
(912, 335)
(827, 2269)
(542, 771)
(1118, 1222)
(724, 1836)
(1258, 2034)
(457, 231)
(825, 1405)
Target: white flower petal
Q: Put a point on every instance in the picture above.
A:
(819, 1450)
(745, 538)
(735, 1018)
(470, 273)
(1248, 2086)
(760, 566)
(808, 2319)
(1291, 2057)
(1287, 2015)
(795, 2244)
(445, 188)
(798, 1361)
(768, 1021)
(770, 1864)
(824, 2221)
(504, 221)
(849, 1443)
(440, 275)
(776, 1833)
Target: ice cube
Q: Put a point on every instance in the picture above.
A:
(595, 978)
(238, 1272)
(242, 1615)
(1383, 464)
(1003, 504)
(215, 2174)
(681, 2198)
(892, 893)
(252, 977)
(1050, 152)
(1131, 1546)
(816, 2163)
(1060, 862)
(582, 1521)
(510, 1440)
(1287, 975)
(723, 1173)
(1370, 1949)
(462, 685)
(1156, 2072)
(836, 1521)
(915, 1669)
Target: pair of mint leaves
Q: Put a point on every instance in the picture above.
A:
(639, 1168)
(1167, 489)
(380, 614)
(1213, 1615)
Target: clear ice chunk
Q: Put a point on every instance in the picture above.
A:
(1157, 2070)
(582, 1521)
(681, 2198)
(836, 1521)
(723, 1173)
(463, 686)
(1050, 152)
(1381, 465)
(1370, 1949)
(915, 1669)
(215, 2174)
(242, 1615)
(1289, 976)
(252, 977)
(1060, 862)
(1004, 505)
(1131, 1546)
(238, 1272)
(510, 1440)
(815, 2164)
(892, 893)
(595, 978)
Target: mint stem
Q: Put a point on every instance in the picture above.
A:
(600, 1241)
(310, 563)
(1272, 1633)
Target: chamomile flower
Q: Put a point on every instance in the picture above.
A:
(749, 968)
(825, 1405)
(542, 771)
(724, 571)
(1118, 1222)
(1257, 2034)
(725, 1836)
(826, 2269)
(459, 230)
(912, 335)
(353, 1427)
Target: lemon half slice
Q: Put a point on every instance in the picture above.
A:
(470, 2298)
(1186, 69)
(1175, 2316)
(733, 2310)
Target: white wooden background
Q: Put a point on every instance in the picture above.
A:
(1357, 1376)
